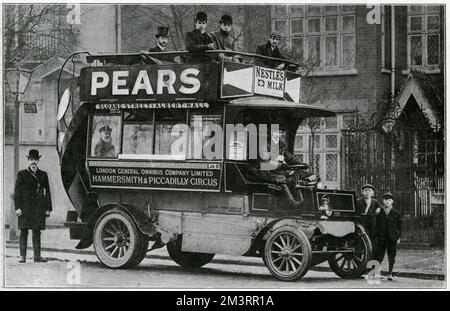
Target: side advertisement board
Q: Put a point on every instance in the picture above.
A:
(190, 176)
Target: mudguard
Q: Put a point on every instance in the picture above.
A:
(140, 218)
(307, 227)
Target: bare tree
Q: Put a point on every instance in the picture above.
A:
(36, 32)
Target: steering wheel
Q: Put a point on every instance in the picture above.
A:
(301, 166)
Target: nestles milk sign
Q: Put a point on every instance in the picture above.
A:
(269, 81)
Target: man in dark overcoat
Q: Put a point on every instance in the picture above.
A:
(389, 231)
(222, 39)
(270, 49)
(197, 41)
(33, 204)
(367, 207)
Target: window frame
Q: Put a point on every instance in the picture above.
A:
(424, 33)
(306, 36)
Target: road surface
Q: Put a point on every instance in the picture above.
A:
(74, 270)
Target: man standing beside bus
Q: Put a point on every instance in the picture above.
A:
(33, 204)
(197, 41)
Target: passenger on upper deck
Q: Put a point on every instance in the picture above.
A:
(197, 41)
(162, 36)
(270, 49)
(222, 39)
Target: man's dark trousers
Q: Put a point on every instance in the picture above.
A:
(36, 243)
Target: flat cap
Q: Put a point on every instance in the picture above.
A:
(388, 195)
(368, 186)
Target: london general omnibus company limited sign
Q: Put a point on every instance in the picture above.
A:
(192, 176)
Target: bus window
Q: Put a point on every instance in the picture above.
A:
(138, 132)
(238, 146)
(105, 135)
(206, 139)
(165, 120)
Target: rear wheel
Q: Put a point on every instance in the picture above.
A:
(288, 254)
(187, 259)
(117, 241)
(353, 264)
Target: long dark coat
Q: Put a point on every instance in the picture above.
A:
(368, 220)
(32, 196)
(197, 43)
(266, 50)
(389, 227)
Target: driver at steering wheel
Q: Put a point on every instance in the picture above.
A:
(274, 169)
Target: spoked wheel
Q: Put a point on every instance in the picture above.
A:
(187, 259)
(353, 264)
(117, 241)
(288, 254)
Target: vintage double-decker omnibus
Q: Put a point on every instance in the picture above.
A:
(158, 151)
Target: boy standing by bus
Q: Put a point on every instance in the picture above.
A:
(368, 207)
(389, 230)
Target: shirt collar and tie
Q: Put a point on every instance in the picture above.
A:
(162, 49)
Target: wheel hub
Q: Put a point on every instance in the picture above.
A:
(286, 253)
(120, 239)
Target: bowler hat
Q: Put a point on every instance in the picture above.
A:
(275, 34)
(33, 154)
(162, 32)
(201, 16)
(105, 128)
(226, 19)
(368, 186)
(388, 195)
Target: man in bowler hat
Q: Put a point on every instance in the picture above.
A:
(222, 39)
(389, 231)
(270, 49)
(33, 204)
(197, 41)
(367, 208)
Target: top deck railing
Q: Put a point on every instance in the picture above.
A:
(152, 57)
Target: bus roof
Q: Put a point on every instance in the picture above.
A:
(258, 102)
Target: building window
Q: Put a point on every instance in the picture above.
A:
(321, 34)
(326, 159)
(424, 36)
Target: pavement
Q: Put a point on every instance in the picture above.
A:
(425, 263)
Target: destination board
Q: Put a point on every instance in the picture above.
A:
(195, 176)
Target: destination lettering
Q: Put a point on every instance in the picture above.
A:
(140, 177)
(182, 105)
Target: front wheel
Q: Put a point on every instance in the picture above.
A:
(288, 254)
(187, 259)
(351, 265)
(117, 241)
